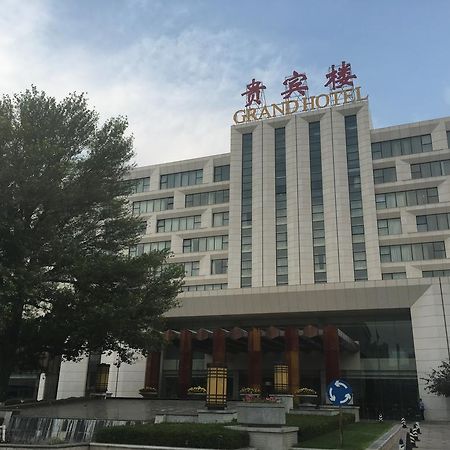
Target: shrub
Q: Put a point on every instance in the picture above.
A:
(438, 381)
(196, 390)
(175, 435)
(312, 426)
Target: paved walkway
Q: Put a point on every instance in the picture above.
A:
(435, 436)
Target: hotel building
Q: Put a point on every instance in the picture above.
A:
(318, 241)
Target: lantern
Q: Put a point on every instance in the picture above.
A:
(280, 375)
(216, 386)
(102, 377)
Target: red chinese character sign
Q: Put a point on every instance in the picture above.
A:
(295, 83)
(253, 92)
(341, 77)
(296, 95)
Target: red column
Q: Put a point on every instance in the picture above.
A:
(219, 348)
(185, 366)
(292, 358)
(254, 358)
(152, 370)
(331, 350)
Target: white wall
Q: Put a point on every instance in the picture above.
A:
(430, 317)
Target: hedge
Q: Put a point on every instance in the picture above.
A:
(175, 435)
(311, 426)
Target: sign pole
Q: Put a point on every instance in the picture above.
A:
(341, 431)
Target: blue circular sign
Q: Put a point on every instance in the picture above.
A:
(339, 392)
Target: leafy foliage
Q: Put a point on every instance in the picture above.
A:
(175, 435)
(438, 382)
(67, 285)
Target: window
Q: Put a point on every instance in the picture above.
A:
(205, 244)
(318, 224)
(436, 273)
(281, 237)
(246, 210)
(220, 219)
(405, 146)
(221, 173)
(386, 175)
(192, 268)
(149, 206)
(178, 224)
(179, 179)
(448, 139)
(356, 210)
(139, 249)
(393, 275)
(413, 252)
(138, 185)
(430, 169)
(389, 226)
(204, 287)
(407, 198)
(207, 198)
(219, 266)
(433, 222)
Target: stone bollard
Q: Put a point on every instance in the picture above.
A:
(417, 427)
(412, 441)
(415, 434)
(401, 444)
(380, 417)
(403, 422)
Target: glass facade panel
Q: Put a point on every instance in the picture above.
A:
(221, 173)
(413, 252)
(318, 224)
(179, 179)
(219, 266)
(191, 268)
(138, 185)
(154, 205)
(204, 244)
(436, 273)
(207, 198)
(386, 175)
(433, 222)
(281, 238)
(430, 169)
(204, 287)
(406, 198)
(354, 187)
(246, 210)
(139, 249)
(405, 146)
(178, 224)
(220, 219)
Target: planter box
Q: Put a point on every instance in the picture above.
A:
(261, 413)
(149, 394)
(308, 399)
(197, 396)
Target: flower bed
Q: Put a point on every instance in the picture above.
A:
(188, 435)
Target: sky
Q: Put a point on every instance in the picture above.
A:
(177, 68)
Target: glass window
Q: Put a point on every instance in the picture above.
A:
(149, 206)
(179, 179)
(386, 175)
(219, 266)
(222, 173)
(220, 219)
(404, 146)
(206, 198)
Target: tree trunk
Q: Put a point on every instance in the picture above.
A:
(9, 342)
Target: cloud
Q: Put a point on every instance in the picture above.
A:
(179, 90)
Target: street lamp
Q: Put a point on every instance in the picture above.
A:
(281, 381)
(216, 386)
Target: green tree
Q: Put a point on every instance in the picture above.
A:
(67, 285)
(438, 381)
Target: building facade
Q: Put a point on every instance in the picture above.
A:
(318, 241)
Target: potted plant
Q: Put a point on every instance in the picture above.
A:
(248, 393)
(148, 392)
(197, 392)
(307, 396)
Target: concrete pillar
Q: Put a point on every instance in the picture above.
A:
(152, 367)
(254, 358)
(185, 366)
(219, 346)
(331, 351)
(292, 358)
